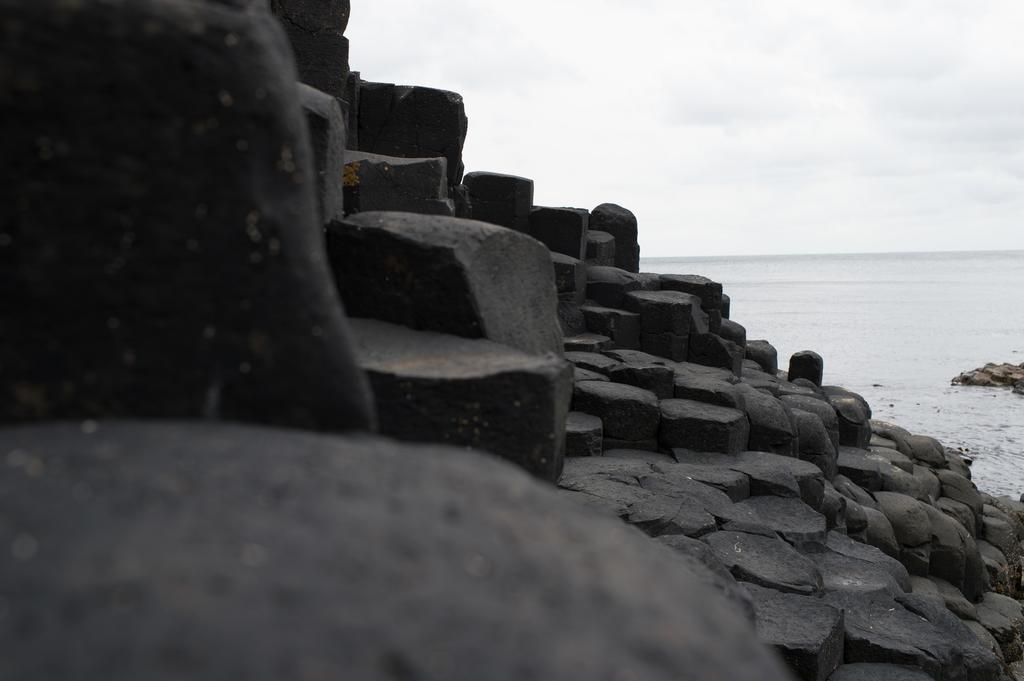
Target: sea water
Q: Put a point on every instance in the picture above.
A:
(896, 328)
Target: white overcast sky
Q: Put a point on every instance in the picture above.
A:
(736, 127)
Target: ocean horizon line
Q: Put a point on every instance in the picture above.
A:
(1012, 251)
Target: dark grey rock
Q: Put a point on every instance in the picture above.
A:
(733, 332)
(850, 548)
(622, 327)
(814, 442)
(863, 469)
(978, 663)
(879, 532)
(901, 461)
(806, 364)
(621, 224)
(664, 311)
(570, 319)
(791, 518)
(701, 561)
(833, 507)
(845, 573)
(563, 230)
(608, 286)
(864, 671)
(734, 484)
(765, 561)
(856, 521)
(928, 481)
(649, 281)
(726, 306)
(587, 375)
(770, 427)
(592, 361)
(628, 412)
(649, 445)
(959, 488)
(373, 182)
(997, 567)
(570, 277)
(657, 458)
(504, 200)
(709, 292)
(927, 450)
(450, 275)
(854, 492)
(702, 427)
(316, 31)
(807, 632)
(820, 408)
(654, 377)
(899, 436)
(185, 544)
(880, 630)
(954, 599)
(413, 122)
(431, 387)
(711, 350)
(908, 518)
(764, 353)
(960, 512)
(326, 124)
(700, 387)
(669, 345)
(188, 280)
(1000, 534)
(582, 435)
(854, 416)
(600, 248)
(949, 547)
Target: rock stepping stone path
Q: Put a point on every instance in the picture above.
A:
(219, 363)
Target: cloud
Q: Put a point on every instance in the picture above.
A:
(741, 127)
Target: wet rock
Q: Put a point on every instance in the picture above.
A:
(374, 182)
(623, 328)
(326, 124)
(992, 376)
(702, 427)
(413, 122)
(608, 285)
(271, 525)
(628, 412)
(765, 561)
(806, 364)
(622, 225)
(504, 200)
(450, 275)
(432, 387)
(600, 248)
(764, 353)
(582, 434)
(563, 230)
(316, 31)
(189, 279)
(807, 633)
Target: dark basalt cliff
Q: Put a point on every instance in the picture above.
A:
(287, 394)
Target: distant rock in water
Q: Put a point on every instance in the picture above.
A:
(995, 376)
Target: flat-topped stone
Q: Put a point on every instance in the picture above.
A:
(431, 387)
(450, 275)
(765, 561)
(621, 224)
(608, 286)
(374, 182)
(710, 292)
(702, 427)
(807, 632)
(600, 248)
(563, 230)
(628, 412)
(582, 434)
(792, 519)
(504, 200)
